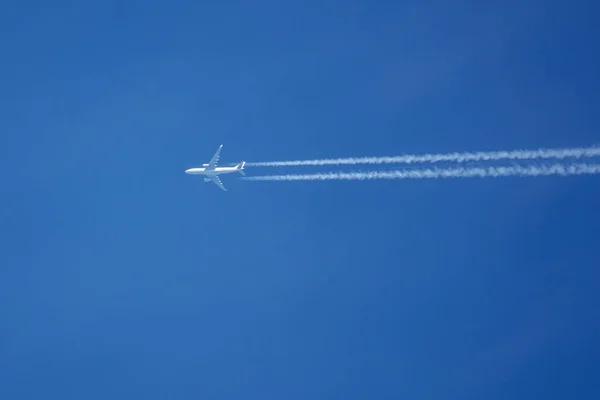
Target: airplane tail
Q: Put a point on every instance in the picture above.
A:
(240, 168)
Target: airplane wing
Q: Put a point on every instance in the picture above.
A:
(213, 161)
(218, 182)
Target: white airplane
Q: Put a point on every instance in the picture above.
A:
(212, 172)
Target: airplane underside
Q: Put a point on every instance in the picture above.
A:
(212, 172)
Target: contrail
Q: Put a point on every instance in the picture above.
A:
(437, 173)
(577, 152)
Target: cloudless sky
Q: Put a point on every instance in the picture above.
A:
(122, 277)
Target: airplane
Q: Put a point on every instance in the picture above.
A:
(212, 172)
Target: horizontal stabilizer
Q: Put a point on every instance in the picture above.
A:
(240, 167)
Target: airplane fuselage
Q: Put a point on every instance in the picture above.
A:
(211, 172)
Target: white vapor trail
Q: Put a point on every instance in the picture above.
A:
(437, 173)
(578, 152)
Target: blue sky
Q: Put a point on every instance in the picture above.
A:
(121, 277)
